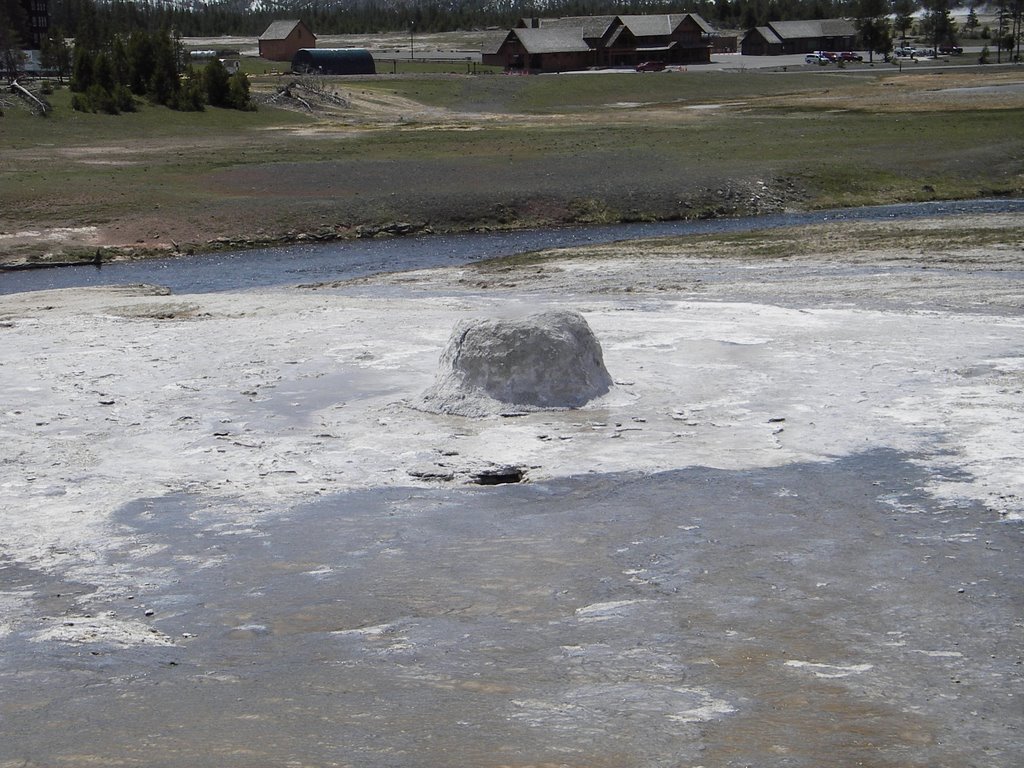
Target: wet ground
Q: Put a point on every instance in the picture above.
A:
(819, 613)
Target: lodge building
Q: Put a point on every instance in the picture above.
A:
(584, 42)
(782, 37)
(37, 23)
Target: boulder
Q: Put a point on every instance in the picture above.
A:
(546, 360)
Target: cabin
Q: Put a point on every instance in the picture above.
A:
(781, 37)
(583, 42)
(282, 39)
(333, 61)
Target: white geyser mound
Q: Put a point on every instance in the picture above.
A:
(545, 360)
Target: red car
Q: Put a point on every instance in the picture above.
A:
(849, 56)
(650, 66)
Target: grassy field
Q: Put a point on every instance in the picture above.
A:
(573, 93)
(400, 64)
(462, 152)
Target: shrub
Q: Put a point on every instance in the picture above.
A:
(100, 99)
(190, 96)
(124, 99)
(238, 92)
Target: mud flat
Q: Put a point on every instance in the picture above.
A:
(789, 534)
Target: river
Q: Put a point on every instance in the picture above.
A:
(309, 263)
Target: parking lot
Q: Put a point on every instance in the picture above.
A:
(729, 61)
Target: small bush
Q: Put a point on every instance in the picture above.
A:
(124, 99)
(238, 92)
(98, 99)
(191, 96)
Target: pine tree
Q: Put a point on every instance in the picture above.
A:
(971, 24)
(872, 22)
(10, 38)
(56, 54)
(238, 92)
(216, 84)
(140, 62)
(163, 85)
(81, 68)
(904, 17)
(938, 25)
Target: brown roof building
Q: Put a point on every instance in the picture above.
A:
(581, 42)
(283, 39)
(780, 37)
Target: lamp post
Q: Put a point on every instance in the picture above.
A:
(412, 41)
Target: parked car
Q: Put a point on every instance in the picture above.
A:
(818, 57)
(850, 56)
(650, 66)
(950, 50)
(905, 51)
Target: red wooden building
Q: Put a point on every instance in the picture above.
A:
(283, 39)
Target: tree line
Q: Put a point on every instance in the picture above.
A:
(199, 19)
(195, 18)
(878, 21)
(108, 73)
(107, 70)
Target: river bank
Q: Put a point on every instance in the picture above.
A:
(310, 261)
(450, 214)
